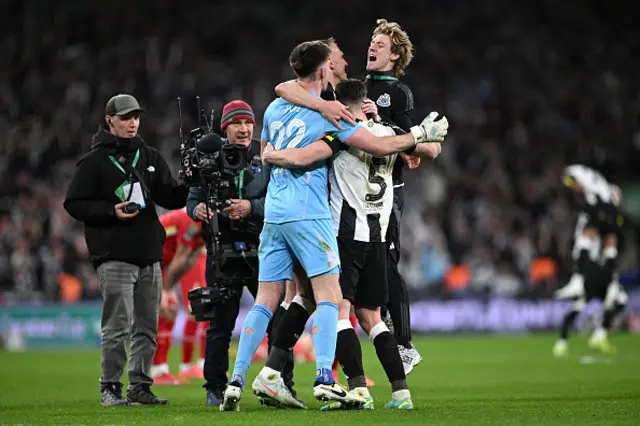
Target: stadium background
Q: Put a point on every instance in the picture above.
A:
(527, 87)
(487, 229)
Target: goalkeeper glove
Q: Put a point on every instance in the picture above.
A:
(430, 130)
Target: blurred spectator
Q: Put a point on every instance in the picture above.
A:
(526, 88)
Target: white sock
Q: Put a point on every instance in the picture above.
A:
(159, 369)
(400, 395)
(270, 374)
(363, 392)
(184, 367)
(201, 363)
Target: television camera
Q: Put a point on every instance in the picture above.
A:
(208, 162)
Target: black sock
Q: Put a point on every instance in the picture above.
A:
(610, 314)
(610, 266)
(398, 307)
(273, 324)
(387, 351)
(349, 354)
(567, 323)
(290, 328)
(583, 262)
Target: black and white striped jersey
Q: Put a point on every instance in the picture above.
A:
(598, 209)
(595, 187)
(361, 195)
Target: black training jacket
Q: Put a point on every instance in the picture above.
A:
(395, 105)
(93, 193)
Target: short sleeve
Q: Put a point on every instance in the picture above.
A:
(347, 131)
(188, 233)
(265, 133)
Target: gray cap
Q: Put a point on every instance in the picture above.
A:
(122, 105)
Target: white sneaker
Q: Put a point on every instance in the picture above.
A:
(231, 398)
(336, 392)
(271, 390)
(410, 358)
(560, 348)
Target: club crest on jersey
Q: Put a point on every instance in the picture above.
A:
(384, 100)
(192, 231)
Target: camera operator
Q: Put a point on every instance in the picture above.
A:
(112, 193)
(240, 223)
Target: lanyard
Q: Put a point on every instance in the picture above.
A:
(381, 77)
(239, 182)
(135, 161)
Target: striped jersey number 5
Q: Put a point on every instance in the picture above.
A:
(376, 179)
(278, 131)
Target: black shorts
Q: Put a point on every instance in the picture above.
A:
(604, 217)
(363, 278)
(596, 282)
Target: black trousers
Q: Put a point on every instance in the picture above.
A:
(398, 305)
(216, 362)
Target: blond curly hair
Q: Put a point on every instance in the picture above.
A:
(400, 44)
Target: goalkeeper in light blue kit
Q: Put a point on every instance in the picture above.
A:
(298, 226)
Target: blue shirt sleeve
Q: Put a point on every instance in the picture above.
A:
(347, 130)
(265, 132)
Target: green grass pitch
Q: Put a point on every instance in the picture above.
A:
(464, 380)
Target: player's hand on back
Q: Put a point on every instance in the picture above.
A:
(412, 161)
(431, 130)
(335, 111)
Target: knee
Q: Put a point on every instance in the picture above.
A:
(611, 240)
(326, 288)
(117, 333)
(269, 295)
(579, 305)
(368, 318)
(221, 328)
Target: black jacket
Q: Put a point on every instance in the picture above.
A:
(91, 198)
(254, 189)
(395, 105)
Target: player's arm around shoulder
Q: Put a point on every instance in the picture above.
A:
(292, 91)
(379, 146)
(333, 111)
(297, 157)
(428, 151)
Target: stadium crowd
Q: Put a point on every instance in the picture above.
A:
(525, 92)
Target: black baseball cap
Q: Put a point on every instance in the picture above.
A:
(122, 104)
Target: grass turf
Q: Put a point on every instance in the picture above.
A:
(466, 380)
